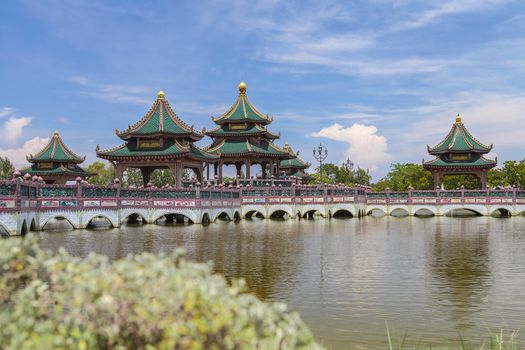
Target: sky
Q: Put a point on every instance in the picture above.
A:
(373, 81)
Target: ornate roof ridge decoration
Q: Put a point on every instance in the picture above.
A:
(295, 161)
(51, 147)
(163, 106)
(248, 148)
(243, 102)
(481, 161)
(78, 170)
(458, 133)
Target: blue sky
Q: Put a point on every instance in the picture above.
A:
(375, 80)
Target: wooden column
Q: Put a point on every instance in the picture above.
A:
(263, 169)
(178, 174)
(248, 165)
(238, 167)
(220, 171)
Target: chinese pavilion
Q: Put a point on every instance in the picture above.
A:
(242, 138)
(159, 140)
(294, 166)
(459, 154)
(56, 163)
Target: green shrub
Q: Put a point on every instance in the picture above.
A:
(141, 302)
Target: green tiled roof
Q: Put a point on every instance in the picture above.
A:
(242, 111)
(56, 151)
(160, 119)
(172, 149)
(59, 170)
(479, 161)
(294, 162)
(245, 147)
(459, 140)
(224, 130)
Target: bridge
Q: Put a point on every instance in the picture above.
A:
(28, 206)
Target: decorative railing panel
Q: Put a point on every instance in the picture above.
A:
(94, 192)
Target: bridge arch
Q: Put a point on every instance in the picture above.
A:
(236, 216)
(88, 218)
(4, 231)
(70, 217)
(342, 210)
(477, 210)
(222, 214)
(205, 218)
(373, 209)
(191, 216)
(249, 211)
(126, 214)
(424, 211)
(310, 210)
(501, 210)
(399, 212)
(276, 211)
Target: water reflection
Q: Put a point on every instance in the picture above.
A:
(460, 265)
(429, 278)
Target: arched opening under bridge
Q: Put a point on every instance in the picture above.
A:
(376, 213)
(223, 216)
(58, 223)
(99, 222)
(254, 214)
(501, 213)
(205, 219)
(134, 219)
(32, 227)
(173, 219)
(399, 212)
(424, 213)
(236, 216)
(313, 214)
(23, 230)
(463, 212)
(279, 215)
(342, 214)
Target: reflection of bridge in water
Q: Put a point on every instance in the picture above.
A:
(26, 206)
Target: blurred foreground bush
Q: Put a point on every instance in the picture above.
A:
(141, 302)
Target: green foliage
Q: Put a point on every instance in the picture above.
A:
(105, 173)
(336, 174)
(469, 182)
(511, 174)
(403, 175)
(6, 168)
(141, 302)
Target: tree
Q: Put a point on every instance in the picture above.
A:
(6, 168)
(105, 173)
(404, 175)
(511, 174)
(469, 182)
(335, 174)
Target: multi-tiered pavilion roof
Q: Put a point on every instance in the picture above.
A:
(459, 153)
(294, 166)
(159, 140)
(242, 138)
(56, 163)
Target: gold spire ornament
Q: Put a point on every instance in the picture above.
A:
(242, 87)
(458, 119)
(161, 95)
(55, 135)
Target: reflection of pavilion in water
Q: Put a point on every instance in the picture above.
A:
(460, 267)
(264, 257)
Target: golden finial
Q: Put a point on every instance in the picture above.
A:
(458, 119)
(286, 144)
(242, 87)
(161, 95)
(55, 135)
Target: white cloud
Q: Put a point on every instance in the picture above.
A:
(6, 111)
(365, 147)
(18, 155)
(13, 128)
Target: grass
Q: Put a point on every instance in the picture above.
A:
(495, 341)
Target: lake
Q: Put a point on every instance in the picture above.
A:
(435, 280)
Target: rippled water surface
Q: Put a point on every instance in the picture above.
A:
(432, 279)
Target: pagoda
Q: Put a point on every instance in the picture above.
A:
(56, 163)
(294, 166)
(160, 140)
(459, 153)
(242, 138)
